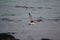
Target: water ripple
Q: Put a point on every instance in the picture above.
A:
(33, 7)
(9, 20)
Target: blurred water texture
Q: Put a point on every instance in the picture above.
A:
(14, 18)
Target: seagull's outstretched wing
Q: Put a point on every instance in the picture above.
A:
(30, 17)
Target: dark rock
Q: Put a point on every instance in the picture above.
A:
(6, 36)
(45, 39)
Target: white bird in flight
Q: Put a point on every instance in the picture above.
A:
(32, 21)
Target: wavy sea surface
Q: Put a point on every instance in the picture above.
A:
(14, 18)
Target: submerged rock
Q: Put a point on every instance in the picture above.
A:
(6, 36)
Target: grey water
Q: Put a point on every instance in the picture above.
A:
(14, 18)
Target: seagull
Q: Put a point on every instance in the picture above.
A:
(32, 21)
